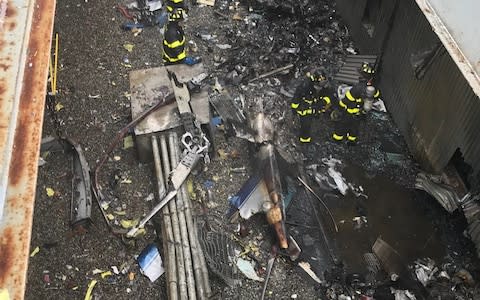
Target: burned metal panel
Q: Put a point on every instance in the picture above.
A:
(368, 30)
(457, 27)
(25, 39)
(438, 112)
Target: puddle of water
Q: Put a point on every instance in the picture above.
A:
(391, 212)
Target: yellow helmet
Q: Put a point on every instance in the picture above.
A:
(317, 75)
(367, 69)
(176, 15)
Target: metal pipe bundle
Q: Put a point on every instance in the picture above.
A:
(167, 231)
(186, 271)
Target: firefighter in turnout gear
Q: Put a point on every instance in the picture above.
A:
(350, 108)
(311, 98)
(174, 39)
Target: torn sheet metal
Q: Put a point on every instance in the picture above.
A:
(340, 182)
(402, 294)
(250, 198)
(425, 270)
(390, 259)
(247, 269)
(81, 204)
(445, 195)
(232, 115)
(471, 209)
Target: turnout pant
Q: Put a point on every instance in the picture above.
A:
(305, 128)
(346, 128)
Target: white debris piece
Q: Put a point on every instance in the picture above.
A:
(403, 294)
(224, 46)
(379, 105)
(339, 180)
(425, 271)
(306, 267)
(246, 267)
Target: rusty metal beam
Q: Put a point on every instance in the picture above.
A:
(25, 39)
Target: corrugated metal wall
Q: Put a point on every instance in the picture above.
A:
(438, 113)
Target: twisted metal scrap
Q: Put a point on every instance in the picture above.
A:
(444, 194)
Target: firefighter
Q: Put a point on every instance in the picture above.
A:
(350, 108)
(174, 41)
(311, 98)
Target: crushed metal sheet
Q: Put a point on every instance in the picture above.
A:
(425, 270)
(81, 203)
(445, 195)
(247, 269)
(471, 210)
(390, 259)
(250, 198)
(232, 115)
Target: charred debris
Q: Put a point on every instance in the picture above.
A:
(254, 56)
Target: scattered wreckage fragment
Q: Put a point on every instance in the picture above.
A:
(81, 204)
(96, 187)
(263, 192)
(185, 262)
(194, 141)
(454, 196)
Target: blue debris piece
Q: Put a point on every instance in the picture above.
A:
(131, 26)
(217, 121)
(243, 194)
(151, 263)
(208, 184)
(190, 61)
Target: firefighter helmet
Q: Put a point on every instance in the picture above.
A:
(367, 69)
(318, 77)
(176, 15)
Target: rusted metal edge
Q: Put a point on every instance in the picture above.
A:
(25, 39)
(451, 45)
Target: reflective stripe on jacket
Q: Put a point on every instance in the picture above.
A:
(174, 43)
(351, 104)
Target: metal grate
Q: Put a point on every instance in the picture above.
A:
(219, 253)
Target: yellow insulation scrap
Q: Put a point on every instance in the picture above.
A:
(91, 285)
